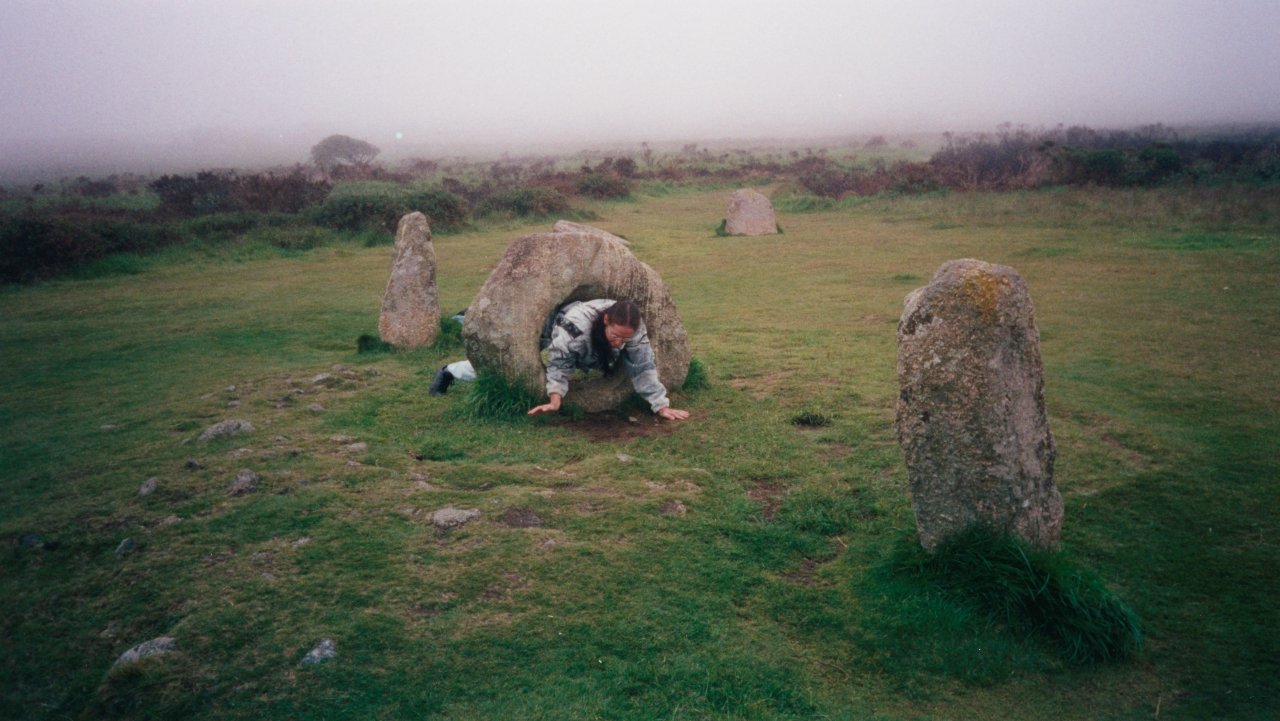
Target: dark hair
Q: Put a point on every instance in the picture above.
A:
(622, 312)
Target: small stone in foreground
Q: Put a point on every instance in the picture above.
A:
(126, 547)
(225, 429)
(673, 508)
(750, 213)
(148, 487)
(325, 650)
(450, 517)
(244, 482)
(154, 647)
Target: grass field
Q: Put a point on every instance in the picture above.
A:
(738, 565)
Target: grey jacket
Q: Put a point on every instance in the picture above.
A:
(569, 348)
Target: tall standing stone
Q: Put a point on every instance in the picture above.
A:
(750, 213)
(971, 417)
(411, 302)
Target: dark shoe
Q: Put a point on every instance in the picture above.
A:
(440, 384)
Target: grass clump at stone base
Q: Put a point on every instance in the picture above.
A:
(492, 397)
(697, 378)
(1031, 591)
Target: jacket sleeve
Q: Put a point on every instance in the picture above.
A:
(560, 362)
(638, 360)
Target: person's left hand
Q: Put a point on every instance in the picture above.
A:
(673, 414)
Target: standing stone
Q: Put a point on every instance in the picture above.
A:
(750, 213)
(971, 416)
(411, 302)
(540, 272)
(568, 226)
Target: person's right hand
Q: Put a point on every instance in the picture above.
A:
(551, 407)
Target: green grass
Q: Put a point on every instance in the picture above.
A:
(737, 565)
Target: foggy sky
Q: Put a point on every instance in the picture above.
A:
(430, 74)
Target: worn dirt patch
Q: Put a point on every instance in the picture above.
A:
(521, 518)
(761, 387)
(769, 496)
(609, 427)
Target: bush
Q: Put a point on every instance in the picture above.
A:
(537, 201)
(36, 247)
(206, 192)
(603, 186)
(383, 211)
(290, 192)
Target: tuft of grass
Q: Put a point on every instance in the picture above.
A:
(493, 397)
(721, 230)
(372, 344)
(450, 337)
(811, 419)
(697, 378)
(1036, 591)
(905, 278)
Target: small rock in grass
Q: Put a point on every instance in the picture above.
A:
(342, 439)
(31, 540)
(193, 465)
(154, 647)
(315, 408)
(245, 482)
(233, 404)
(225, 429)
(625, 458)
(356, 447)
(148, 487)
(450, 517)
(324, 651)
(324, 379)
(240, 453)
(673, 508)
(126, 547)
(168, 521)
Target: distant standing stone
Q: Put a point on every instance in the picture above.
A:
(148, 487)
(325, 650)
(411, 302)
(154, 647)
(244, 482)
(971, 416)
(750, 213)
(225, 429)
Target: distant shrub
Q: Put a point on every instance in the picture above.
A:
(201, 194)
(383, 211)
(603, 186)
(36, 247)
(290, 192)
(537, 200)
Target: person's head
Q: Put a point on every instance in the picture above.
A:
(612, 329)
(620, 322)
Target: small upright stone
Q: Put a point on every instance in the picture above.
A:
(246, 481)
(148, 487)
(411, 302)
(750, 213)
(154, 647)
(324, 651)
(225, 429)
(450, 517)
(971, 417)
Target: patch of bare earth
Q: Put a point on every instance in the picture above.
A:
(769, 496)
(611, 427)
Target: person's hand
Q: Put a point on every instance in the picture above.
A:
(551, 407)
(673, 414)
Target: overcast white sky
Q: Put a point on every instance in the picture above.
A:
(566, 71)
